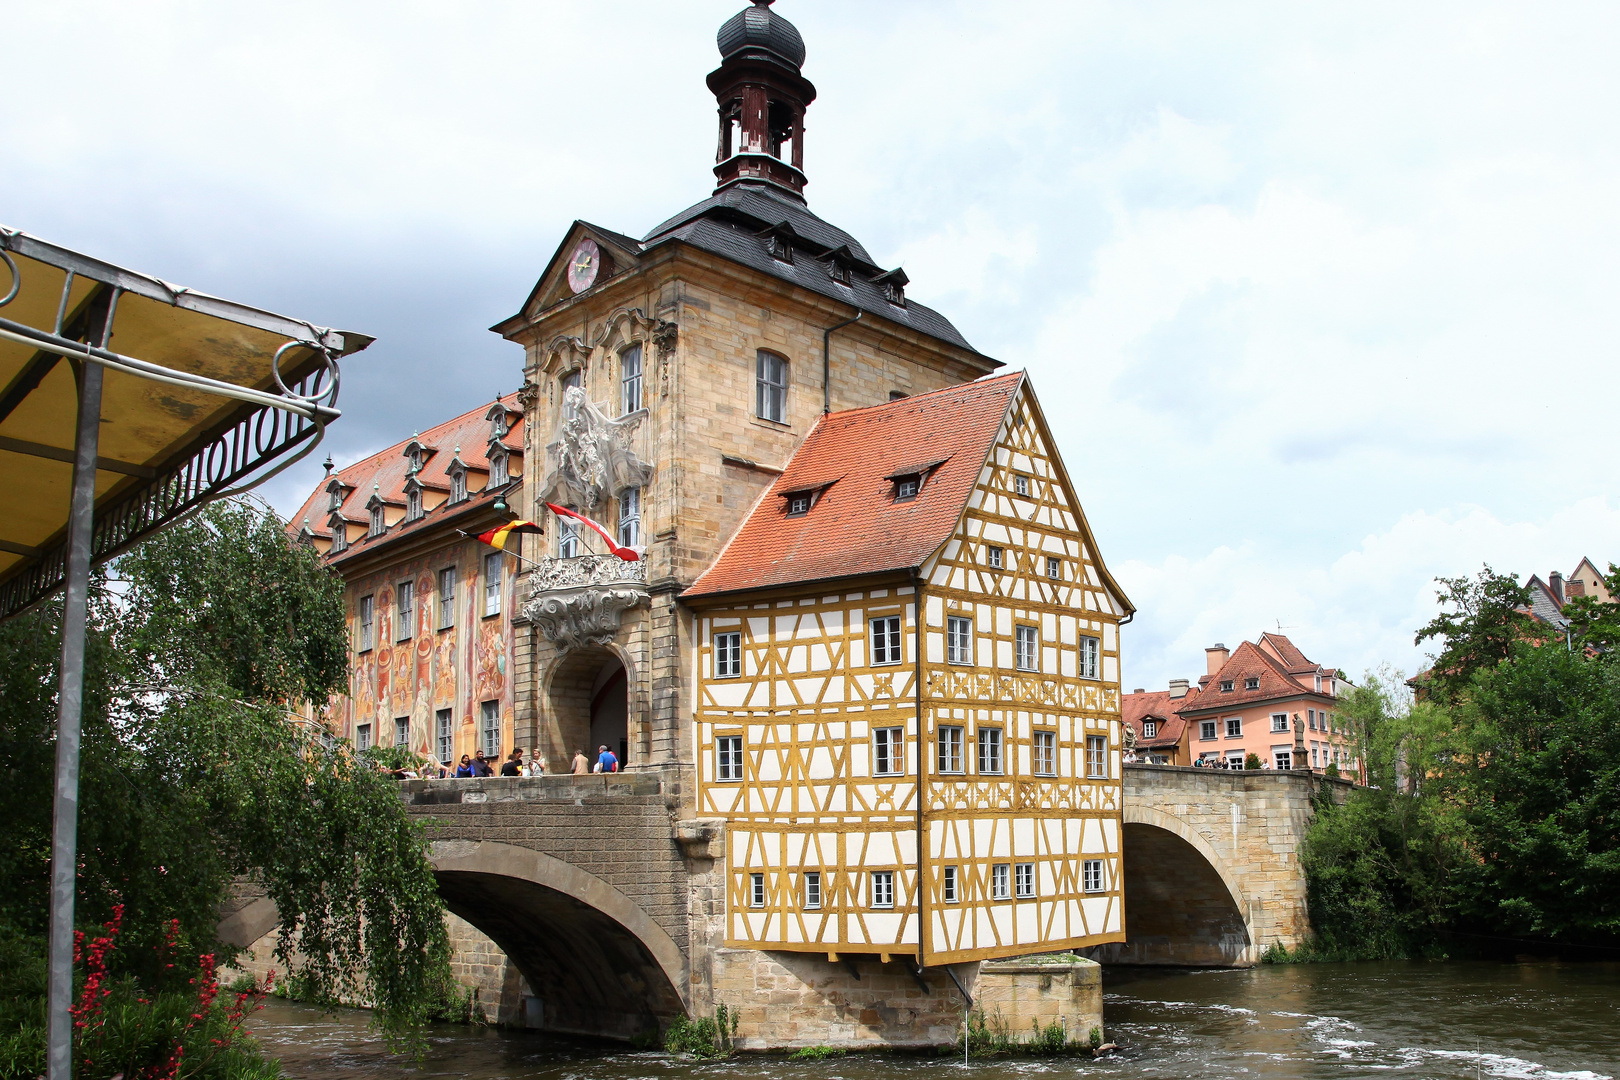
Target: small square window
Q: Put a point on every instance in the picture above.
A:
(1091, 875)
(1021, 485)
(906, 487)
(950, 749)
(1000, 888)
(1024, 880)
(948, 885)
(756, 890)
(727, 655)
(1279, 722)
(1226, 686)
(1054, 568)
(1027, 654)
(1097, 756)
(1251, 683)
(883, 888)
(1045, 749)
(994, 557)
(958, 639)
(728, 757)
(990, 751)
(1150, 729)
(812, 890)
(1206, 729)
(886, 640)
(1234, 727)
(889, 751)
(798, 503)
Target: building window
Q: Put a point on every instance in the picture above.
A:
(771, 388)
(727, 655)
(950, 749)
(1054, 568)
(1279, 721)
(458, 485)
(491, 716)
(446, 733)
(1091, 875)
(377, 526)
(947, 885)
(990, 751)
(498, 476)
(334, 492)
(447, 597)
(1024, 880)
(886, 640)
(1088, 657)
(728, 758)
(367, 623)
(402, 731)
(362, 737)
(406, 593)
(812, 890)
(1150, 729)
(1045, 747)
(958, 639)
(567, 539)
(413, 504)
(799, 503)
(906, 487)
(1251, 683)
(1021, 485)
(630, 379)
(1206, 729)
(1234, 727)
(883, 888)
(999, 888)
(340, 533)
(994, 557)
(888, 751)
(1310, 718)
(1226, 686)
(1314, 760)
(1097, 756)
(756, 890)
(630, 517)
(1027, 654)
(492, 584)
(1282, 759)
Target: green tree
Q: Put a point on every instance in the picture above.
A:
(196, 774)
(1594, 624)
(1482, 618)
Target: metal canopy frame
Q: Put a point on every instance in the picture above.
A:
(192, 452)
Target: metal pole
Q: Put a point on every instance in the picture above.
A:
(69, 700)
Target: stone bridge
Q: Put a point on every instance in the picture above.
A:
(605, 909)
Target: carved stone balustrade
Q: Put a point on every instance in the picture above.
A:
(579, 601)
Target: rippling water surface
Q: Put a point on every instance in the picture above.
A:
(1547, 1021)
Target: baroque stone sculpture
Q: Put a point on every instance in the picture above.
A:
(591, 457)
(578, 602)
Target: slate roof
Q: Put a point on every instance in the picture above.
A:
(1155, 705)
(856, 526)
(385, 473)
(1249, 661)
(1544, 606)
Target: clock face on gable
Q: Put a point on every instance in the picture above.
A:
(584, 266)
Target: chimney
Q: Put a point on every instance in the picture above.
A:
(1555, 581)
(1139, 690)
(1217, 656)
(1178, 689)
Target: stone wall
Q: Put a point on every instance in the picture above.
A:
(1029, 996)
(479, 965)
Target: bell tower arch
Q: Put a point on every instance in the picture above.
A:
(762, 98)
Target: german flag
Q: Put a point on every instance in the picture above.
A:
(496, 538)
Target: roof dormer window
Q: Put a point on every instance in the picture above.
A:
(340, 533)
(458, 483)
(1251, 683)
(779, 242)
(413, 502)
(500, 420)
(378, 526)
(498, 475)
(906, 487)
(840, 263)
(800, 502)
(1226, 686)
(335, 492)
(1150, 729)
(893, 285)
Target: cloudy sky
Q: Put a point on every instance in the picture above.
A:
(1321, 298)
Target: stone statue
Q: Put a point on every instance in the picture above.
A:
(591, 457)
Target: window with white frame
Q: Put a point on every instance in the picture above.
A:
(990, 751)
(906, 487)
(1088, 657)
(567, 539)
(1206, 729)
(950, 749)
(1097, 756)
(362, 737)
(728, 655)
(1150, 729)
(728, 757)
(447, 597)
(402, 731)
(405, 592)
(1226, 686)
(1024, 880)
(812, 890)
(1310, 719)
(1091, 875)
(1044, 748)
(1282, 759)
(490, 715)
(446, 734)
(1234, 727)
(630, 380)
(958, 639)
(1054, 568)
(630, 517)
(886, 640)
(799, 503)
(883, 888)
(492, 583)
(1279, 721)
(994, 557)
(1000, 887)
(367, 623)
(948, 885)
(888, 751)
(1251, 683)
(1021, 485)
(770, 386)
(1027, 651)
(756, 890)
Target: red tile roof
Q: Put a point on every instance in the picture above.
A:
(1293, 661)
(856, 526)
(1155, 705)
(385, 473)
(1248, 661)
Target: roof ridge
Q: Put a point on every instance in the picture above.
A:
(985, 380)
(420, 436)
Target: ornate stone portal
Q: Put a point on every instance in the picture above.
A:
(578, 602)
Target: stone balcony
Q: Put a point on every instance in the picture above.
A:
(579, 601)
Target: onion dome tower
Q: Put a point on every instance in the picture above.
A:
(762, 98)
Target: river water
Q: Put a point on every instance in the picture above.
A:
(1548, 1021)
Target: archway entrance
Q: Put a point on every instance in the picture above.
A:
(1178, 911)
(589, 701)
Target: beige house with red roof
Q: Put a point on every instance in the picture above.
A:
(429, 608)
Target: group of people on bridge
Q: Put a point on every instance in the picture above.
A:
(477, 764)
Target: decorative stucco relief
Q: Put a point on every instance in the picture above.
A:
(591, 458)
(580, 601)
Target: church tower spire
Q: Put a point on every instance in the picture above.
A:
(761, 98)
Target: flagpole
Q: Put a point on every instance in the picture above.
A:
(515, 555)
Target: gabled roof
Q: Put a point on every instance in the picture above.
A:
(385, 473)
(1155, 705)
(1293, 661)
(856, 526)
(1544, 606)
(1248, 661)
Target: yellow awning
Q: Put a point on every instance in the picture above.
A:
(201, 397)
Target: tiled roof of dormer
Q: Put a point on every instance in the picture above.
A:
(1246, 662)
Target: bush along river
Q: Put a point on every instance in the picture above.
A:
(1542, 1020)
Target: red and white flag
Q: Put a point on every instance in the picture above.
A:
(627, 554)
